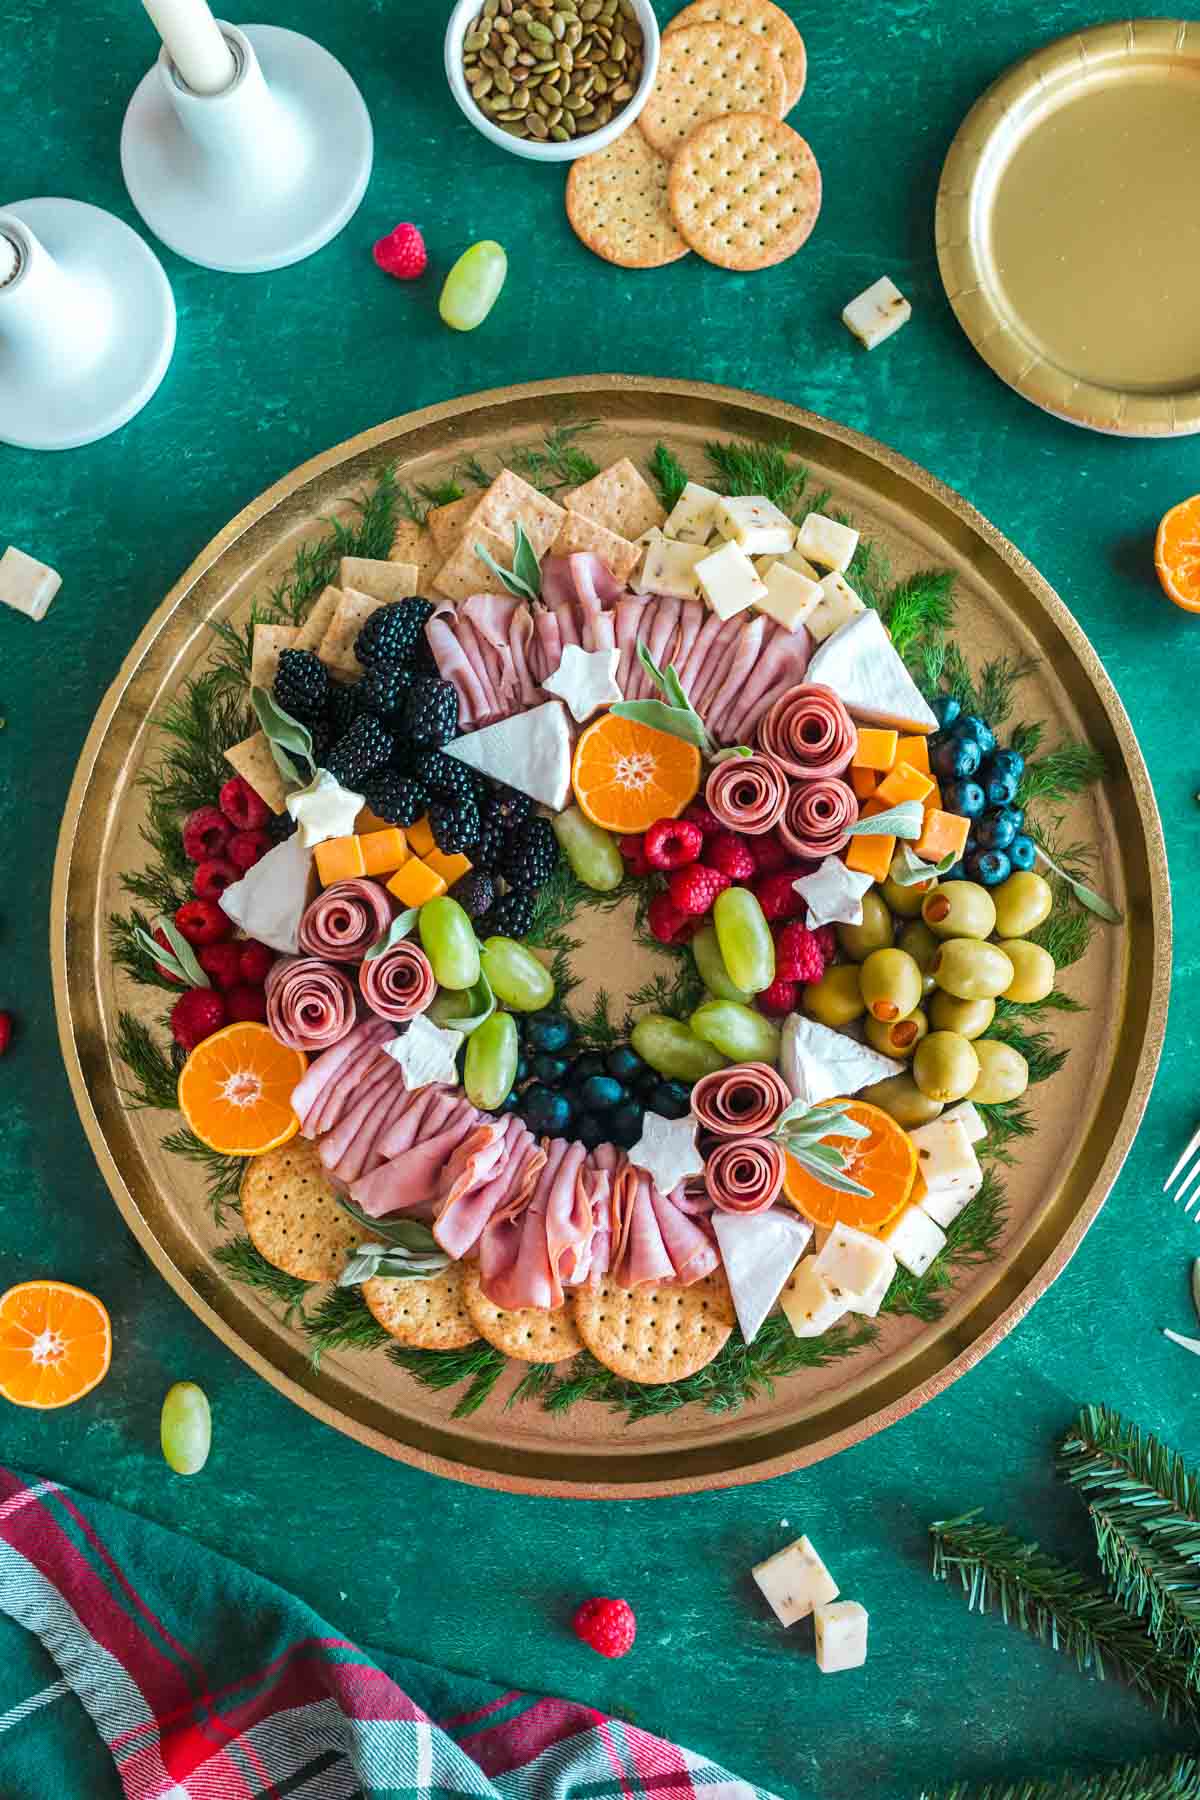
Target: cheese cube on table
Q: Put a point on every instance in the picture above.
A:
(756, 524)
(857, 1268)
(841, 1633)
(827, 542)
(28, 586)
(790, 597)
(838, 605)
(692, 519)
(794, 1582)
(914, 1240)
(809, 1302)
(877, 312)
(728, 580)
(670, 568)
(948, 1168)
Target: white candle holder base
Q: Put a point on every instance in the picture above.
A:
(260, 175)
(87, 325)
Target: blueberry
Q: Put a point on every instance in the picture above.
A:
(624, 1063)
(1022, 853)
(522, 1073)
(996, 830)
(971, 728)
(946, 709)
(1001, 790)
(956, 759)
(550, 1069)
(965, 798)
(956, 872)
(671, 1100)
(560, 1115)
(546, 1111)
(645, 1086)
(590, 1063)
(626, 1125)
(600, 1093)
(591, 1130)
(550, 1031)
(988, 867)
(1006, 762)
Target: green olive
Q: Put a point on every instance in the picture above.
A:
(1033, 970)
(971, 970)
(902, 1100)
(970, 1018)
(1003, 1073)
(905, 902)
(1022, 902)
(919, 942)
(945, 1066)
(891, 984)
(875, 932)
(959, 909)
(836, 1000)
(897, 1037)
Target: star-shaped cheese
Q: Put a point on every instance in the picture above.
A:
(426, 1053)
(667, 1151)
(586, 680)
(834, 894)
(324, 809)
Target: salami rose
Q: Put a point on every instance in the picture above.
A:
(399, 984)
(747, 794)
(817, 820)
(745, 1175)
(809, 731)
(309, 1005)
(744, 1101)
(344, 921)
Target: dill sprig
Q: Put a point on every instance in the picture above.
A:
(198, 726)
(246, 1264)
(130, 953)
(768, 469)
(1026, 737)
(1067, 933)
(918, 608)
(970, 1241)
(677, 995)
(341, 1320)
(536, 1382)
(1061, 774)
(556, 462)
(471, 469)
(870, 571)
(223, 1173)
(668, 475)
(993, 694)
(480, 1365)
(1151, 1778)
(596, 1028)
(155, 1076)
(1007, 1122)
(370, 534)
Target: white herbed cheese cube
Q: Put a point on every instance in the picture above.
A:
(914, 1240)
(28, 586)
(968, 1118)
(809, 1302)
(790, 597)
(857, 1267)
(692, 518)
(670, 568)
(756, 523)
(945, 1207)
(877, 312)
(841, 1633)
(949, 1168)
(794, 1582)
(728, 580)
(837, 606)
(827, 542)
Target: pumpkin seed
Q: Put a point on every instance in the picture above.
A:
(552, 92)
(509, 54)
(542, 33)
(504, 81)
(574, 34)
(537, 126)
(482, 86)
(549, 67)
(554, 117)
(622, 92)
(618, 49)
(566, 58)
(489, 59)
(509, 115)
(590, 9)
(602, 115)
(475, 40)
(559, 135)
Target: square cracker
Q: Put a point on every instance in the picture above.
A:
(414, 544)
(581, 533)
(317, 623)
(466, 574)
(618, 499)
(337, 646)
(269, 641)
(510, 501)
(382, 580)
(253, 761)
(446, 523)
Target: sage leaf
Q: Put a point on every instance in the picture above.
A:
(912, 872)
(507, 577)
(180, 959)
(904, 821)
(464, 1011)
(402, 1234)
(526, 568)
(402, 926)
(734, 753)
(1086, 896)
(287, 736)
(831, 1177)
(372, 1259)
(661, 717)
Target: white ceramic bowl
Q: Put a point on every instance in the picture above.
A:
(549, 152)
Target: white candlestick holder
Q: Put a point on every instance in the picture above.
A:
(87, 324)
(260, 175)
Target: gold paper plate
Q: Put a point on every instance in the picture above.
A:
(1068, 227)
(1086, 1121)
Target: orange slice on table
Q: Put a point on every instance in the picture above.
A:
(626, 775)
(1177, 554)
(886, 1162)
(236, 1088)
(55, 1344)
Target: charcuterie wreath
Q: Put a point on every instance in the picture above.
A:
(479, 732)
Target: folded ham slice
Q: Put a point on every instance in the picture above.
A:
(484, 1173)
(654, 1238)
(582, 577)
(323, 1071)
(413, 1178)
(534, 1246)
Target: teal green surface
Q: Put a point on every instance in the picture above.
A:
(272, 369)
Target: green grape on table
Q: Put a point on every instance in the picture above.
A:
(472, 287)
(739, 1032)
(516, 975)
(591, 852)
(448, 940)
(673, 1050)
(491, 1067)
(186, 1428)
(747, 947)
(711, 966)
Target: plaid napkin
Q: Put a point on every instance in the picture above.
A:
(133, 1662)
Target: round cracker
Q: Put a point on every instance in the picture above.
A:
(531, 1334)
(765, 20)
(745, 191)
(292, 1215)
(426, 1315)
(705, 71)
(617, 204)
(655, 1333)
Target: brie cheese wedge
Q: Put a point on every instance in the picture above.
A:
(269, 901)
(819, 1064)
(864, 671)
(530, 752)
(759, 1251)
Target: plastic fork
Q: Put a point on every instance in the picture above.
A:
(1190, 1179)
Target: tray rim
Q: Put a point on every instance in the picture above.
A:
(563, 389)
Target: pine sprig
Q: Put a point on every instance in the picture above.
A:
(315, 567)
(155, 1083)
(480, 1365)
(1152, 1778)
(246, 1264)
(223, 1173)
(668, 475)
(768, 469)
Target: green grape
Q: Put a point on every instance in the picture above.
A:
(472, 287)
(491, 1061)
(186, 1428)
(674, 1051)
(448, 940)
(447, 1007)
(592, 853)
(747, 947)
(516, 975)
(739, 1032)
(711, 965)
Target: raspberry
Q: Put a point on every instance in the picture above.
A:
(672, 843)
(202, 921)
(160, 937)
(255, 961)
(222, 963)
(777, 897)
(247, 847)
(777, 999)
(769, 853)
(798, 953)
(826, 938)
(245, 810)
(729, 853)
(213, 877)
(634, 852)
(196, 1016)
(205, 834)
(6, 1030)
(608, 1626)
(402, 253)
(246, 1005)
(667, 923)
(698, 814)
(694, 889)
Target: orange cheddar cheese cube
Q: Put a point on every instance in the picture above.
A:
(876, 749)
(933, 798)
(945, 834)
(384, 851)
(420, 838)
(450, 868)
(864, 781)
(368, 821)
(915, 752)
(415, 883)
(339, 859)
(903, 783)
(871, 856)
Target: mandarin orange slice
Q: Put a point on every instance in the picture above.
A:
(1177, 554)
(236, 1088)
(886, 1162)
(627, 775)
(55, 1344)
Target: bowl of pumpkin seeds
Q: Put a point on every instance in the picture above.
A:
(552, 79)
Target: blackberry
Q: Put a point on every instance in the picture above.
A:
(475, 893)
(429, 715)
(395, 797)
(280, 827)
(323, 740)
(454, 824)
(530, 855)
(364, 748)
(444, 776)
(512, 916)
(488, 848)
(342, 707)
(383, 687)
(392, 632)
(506, 808)
(302, 684)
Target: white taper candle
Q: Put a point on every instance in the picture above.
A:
(194, 43)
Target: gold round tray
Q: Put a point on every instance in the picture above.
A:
(1067, 229)
(1086, 1121)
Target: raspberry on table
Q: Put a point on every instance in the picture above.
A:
(213, 877)
(6, 1031)
(202, 921)
(196, 1015)
(778, 897)
(694, 889)
(245, 810)
(667, 923)
(726, 851)
(222, 963)
(799, 955)
(770, 853)
(255, 962)
(698, 814)
(206, 832)
(247, 847)
(607, 1626)
(246, 1005)
(672, 843)
(402, 253)
(778, 999)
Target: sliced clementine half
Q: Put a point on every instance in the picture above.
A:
(236, 1089)
(627, 775)
(1177, 554)
(55, 1344)
(885, 1162)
